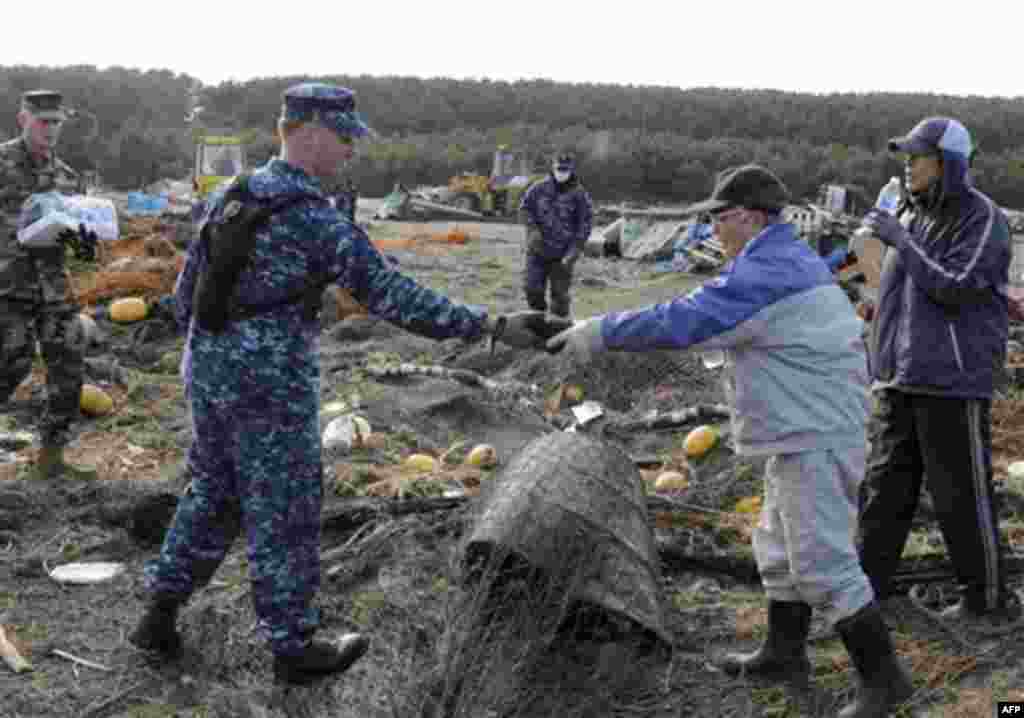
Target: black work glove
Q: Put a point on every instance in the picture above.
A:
(82, 242)
(87, 240)
(68, 238)
(527, 330)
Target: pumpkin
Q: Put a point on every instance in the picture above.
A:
(749, 505)
(482, 455)
(670, 481)
(574, 393)
(94, 401)
(129, 309)
(1016, 470)
(700, 441)
(421, 463)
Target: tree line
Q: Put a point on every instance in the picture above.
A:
(634, 142)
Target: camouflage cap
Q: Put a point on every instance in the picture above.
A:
(44, 104)
(330, 105)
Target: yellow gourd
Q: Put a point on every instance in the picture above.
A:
(421, 463)
(749, 505)
(131, 309)
(670, 481)
(482, 455)
(700, 441)
(94, 401)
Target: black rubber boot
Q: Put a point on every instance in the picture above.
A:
(884, 682)
(320, 659)
(156, 631)
(783, 655)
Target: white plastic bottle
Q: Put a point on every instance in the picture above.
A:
(889, 196)
(888, 199)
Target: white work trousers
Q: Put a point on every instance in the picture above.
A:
(804, 541)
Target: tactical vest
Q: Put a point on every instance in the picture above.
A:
(229, 243)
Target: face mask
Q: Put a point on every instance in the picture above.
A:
(562, 176)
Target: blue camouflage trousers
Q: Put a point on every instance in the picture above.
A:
(261, 474)
(539, 273)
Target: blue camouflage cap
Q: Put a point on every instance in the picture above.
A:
(935, 134)
(330, 105)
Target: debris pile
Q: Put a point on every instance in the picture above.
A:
(144, 262)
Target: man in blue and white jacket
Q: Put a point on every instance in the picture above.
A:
(797, 384)
(938, 337)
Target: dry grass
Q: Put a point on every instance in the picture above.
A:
(1007, 432)
(975, 703)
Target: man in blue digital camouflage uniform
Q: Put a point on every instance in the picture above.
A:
(254, 388)
(558, 213)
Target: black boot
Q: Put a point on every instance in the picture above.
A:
(884, 682)
(783, 656)
(156, 631)
(320, 659)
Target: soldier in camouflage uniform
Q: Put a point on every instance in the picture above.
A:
(36, 302)
(254, 390)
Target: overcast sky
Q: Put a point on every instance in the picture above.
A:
(821, 46)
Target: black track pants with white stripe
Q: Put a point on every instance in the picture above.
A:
(947, 440)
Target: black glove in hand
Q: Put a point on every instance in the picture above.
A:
(67, 238)
(86, 248)
(528, 330)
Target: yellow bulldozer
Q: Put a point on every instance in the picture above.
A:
(497, 195)
(218, 158)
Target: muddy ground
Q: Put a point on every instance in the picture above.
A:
(398, 575)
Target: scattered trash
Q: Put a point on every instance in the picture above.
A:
(12, 657)
(142, 204)
(86, 572)
(585, 413)
(80, 661)
(346, 432)
(46, 214)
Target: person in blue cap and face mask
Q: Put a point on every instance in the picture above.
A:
(254, 386)
(938, 337)
(558, 214)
